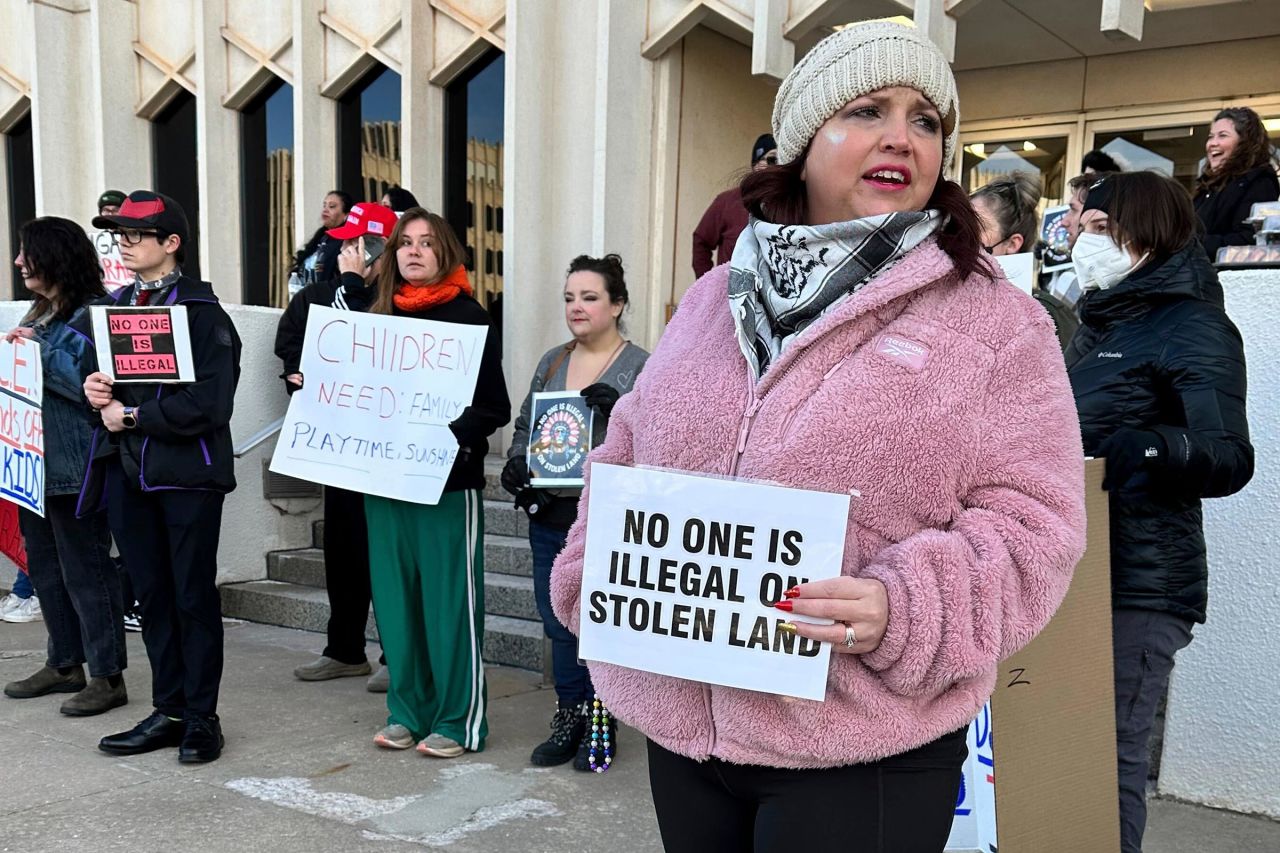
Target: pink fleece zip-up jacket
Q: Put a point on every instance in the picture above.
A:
(945, 403)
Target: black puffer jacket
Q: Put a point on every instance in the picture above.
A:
(1158, 352)
(1223, 211)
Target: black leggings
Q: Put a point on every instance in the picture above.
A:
(900, 804)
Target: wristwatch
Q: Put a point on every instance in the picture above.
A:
(130, 417)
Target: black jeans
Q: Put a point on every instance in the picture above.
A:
(79, 587)
(900, 804)
(1144, 642)
(169, 542)
(346, 574)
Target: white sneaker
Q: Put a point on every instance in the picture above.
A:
(9, 602)
(28, 610)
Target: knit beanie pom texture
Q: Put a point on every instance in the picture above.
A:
(857, 61)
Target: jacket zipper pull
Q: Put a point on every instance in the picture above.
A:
(746, 424)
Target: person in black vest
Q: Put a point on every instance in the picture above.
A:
(1239, 171)
(1158, 371)
(162, 462)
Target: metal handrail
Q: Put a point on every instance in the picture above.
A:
(259, 437)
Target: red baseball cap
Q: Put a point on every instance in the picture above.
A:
(366, 219)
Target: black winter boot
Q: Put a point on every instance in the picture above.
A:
(567, 727)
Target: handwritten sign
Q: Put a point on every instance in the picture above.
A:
(115, 274)
(378, 396)
(143, 344)
(21, 424)
(681, 573)
(559, 438)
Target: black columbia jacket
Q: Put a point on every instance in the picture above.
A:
(1158, 352)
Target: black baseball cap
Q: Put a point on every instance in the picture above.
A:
(115, 198)
(763, 146)
(144, 209)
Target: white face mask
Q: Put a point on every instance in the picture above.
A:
(1100, 263)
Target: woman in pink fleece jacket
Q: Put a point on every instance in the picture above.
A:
(857, 340)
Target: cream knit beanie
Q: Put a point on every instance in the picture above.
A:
(854, 62)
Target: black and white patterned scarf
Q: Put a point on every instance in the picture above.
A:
(783, 277)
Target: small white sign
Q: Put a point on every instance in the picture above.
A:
(681, 572)
(115, 274)
(378, 395)
(149, 343)
(1020, 269)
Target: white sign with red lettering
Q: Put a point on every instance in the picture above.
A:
(377, 398)
(115, 274)
(22, 424)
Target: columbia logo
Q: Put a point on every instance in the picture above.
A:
(1151, 452)
(1110, 355)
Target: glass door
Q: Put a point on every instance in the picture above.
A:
(1046, 151)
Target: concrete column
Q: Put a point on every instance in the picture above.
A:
(421, 108)
(121, 140)
(61, 85)
(218, 163)
(315, 136)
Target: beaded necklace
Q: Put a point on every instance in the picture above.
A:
(600, 756)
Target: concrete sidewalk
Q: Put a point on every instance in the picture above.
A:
(300, 773)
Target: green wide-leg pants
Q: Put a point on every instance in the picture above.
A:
(426, 564)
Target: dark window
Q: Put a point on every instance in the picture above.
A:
(173, 143)
(22, 193)
(473, 110)
(266, 196)
(488, 217)
(488, 261)
(471, 259)
(499, 262)
(368, 117)
(499, 219)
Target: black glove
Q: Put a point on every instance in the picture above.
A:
(601, 397)
(1129, 451)
(515, 475)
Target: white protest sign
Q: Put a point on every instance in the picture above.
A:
(973, 829)
(1020, 269)
(377, 398)
(681, 572)
(22, 424)
(115, 274)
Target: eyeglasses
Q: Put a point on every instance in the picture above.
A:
(132, 236)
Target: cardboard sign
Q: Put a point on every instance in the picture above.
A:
(143, 344)
(681, 572)
(378, 395)
(559, 438)
(21, 424)
(115, 274)
(1048, 745)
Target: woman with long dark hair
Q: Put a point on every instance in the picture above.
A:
(859, 339)
(1159, 376)
(318, 259)
(426, 562)
(69, 558)
(1240, 170)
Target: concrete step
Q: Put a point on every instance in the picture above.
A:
(507, 555)
(493, 490)
(304, 566)
(505, 519)
(508, 639)
(510, 595)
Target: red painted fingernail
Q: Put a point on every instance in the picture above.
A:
(794, 592)
(784, 605)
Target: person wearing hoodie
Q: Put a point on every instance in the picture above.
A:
(1239, 171)
(427, 561)
(725, 217)
(161, 462)
(1158, 372)
(346, 539)
(860, 338)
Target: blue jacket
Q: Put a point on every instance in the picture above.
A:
(66, 358)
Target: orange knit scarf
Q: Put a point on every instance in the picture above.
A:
(415, 298)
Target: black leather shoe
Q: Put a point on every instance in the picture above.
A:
(155, 732)
(202, 741)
